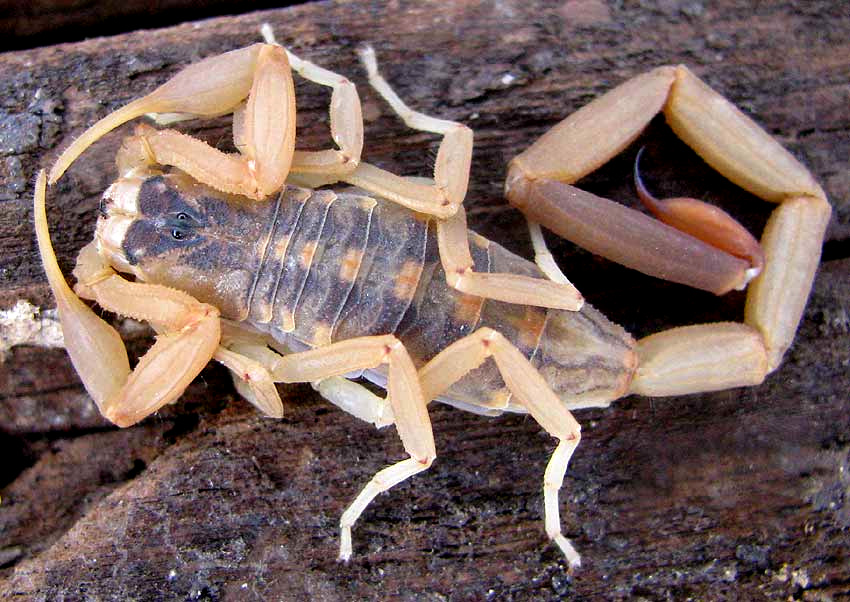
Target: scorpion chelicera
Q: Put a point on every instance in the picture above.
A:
(249, 259)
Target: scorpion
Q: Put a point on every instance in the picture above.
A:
(251, 260)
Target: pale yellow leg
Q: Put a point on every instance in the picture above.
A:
(356, 400)
(451, 172)
(542, 257)
(452, 239)
(444, 199)
(346, 124)
(189, 332)
(403, 392)
(251, 377)
(531, 391)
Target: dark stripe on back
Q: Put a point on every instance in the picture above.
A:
(290, 205)
(299, 257)
(336, 264)
(389, 275)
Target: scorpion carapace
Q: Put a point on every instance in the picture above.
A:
(313, 267)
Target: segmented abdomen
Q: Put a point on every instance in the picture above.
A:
(338, 266)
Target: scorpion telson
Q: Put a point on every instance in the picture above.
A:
(249, 259)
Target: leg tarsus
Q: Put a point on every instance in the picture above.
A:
(553, 480)
(404, 393)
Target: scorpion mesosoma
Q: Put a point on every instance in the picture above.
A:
(245, 259)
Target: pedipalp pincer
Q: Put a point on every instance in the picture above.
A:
(257, 260)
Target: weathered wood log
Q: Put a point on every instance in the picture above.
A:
(739, 494)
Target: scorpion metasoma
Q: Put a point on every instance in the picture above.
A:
(249, 259)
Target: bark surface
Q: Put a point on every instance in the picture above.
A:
(742, 494)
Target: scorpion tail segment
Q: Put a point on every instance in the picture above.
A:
(628, 237)
(703, 357)
(211, 87)
(733, 143)
(96, 350)
(706, 222)
(594, 134)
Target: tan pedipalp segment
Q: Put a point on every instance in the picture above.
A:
(530, 389)
(88, 339)
(213, 86)
(189, 332)
(265, 134)
(734, 145)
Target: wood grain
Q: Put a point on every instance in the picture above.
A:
(742, 494)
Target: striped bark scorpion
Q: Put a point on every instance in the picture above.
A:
(248, 259)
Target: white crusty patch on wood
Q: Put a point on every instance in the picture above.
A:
(26, 324)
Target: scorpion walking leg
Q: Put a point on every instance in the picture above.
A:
(531, 390)
(356, 399)
(251, 366)
(250, 362)
(252, 381)
(405, 396)
(189, 332)
(452, 240)
(444, 200)
(542, 257)
(325, 166)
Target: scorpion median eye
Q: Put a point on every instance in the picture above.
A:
(178, 234)
(182, 217)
